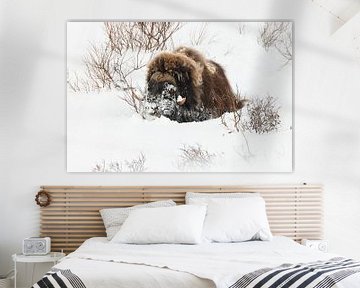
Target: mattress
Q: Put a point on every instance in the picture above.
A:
(99, 263)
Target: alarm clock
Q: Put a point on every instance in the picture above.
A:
(36, 246)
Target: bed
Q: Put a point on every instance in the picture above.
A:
(294, 211)
(99, 263)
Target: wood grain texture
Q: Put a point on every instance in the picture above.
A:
(294, 210)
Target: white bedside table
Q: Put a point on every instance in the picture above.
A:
(53, 257)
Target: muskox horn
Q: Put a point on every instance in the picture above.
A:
(180, 100)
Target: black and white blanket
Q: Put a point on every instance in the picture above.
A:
(320, 274)
(59, 278)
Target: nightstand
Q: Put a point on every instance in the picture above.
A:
(320, 245)
(53, 257)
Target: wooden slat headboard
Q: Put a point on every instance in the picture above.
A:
(73, 215)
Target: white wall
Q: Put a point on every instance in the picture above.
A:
(32, 83)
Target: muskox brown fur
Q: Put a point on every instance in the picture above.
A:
(185, 86)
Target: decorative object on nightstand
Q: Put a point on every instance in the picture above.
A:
(320, 245)
(53, 257)
(36, 246)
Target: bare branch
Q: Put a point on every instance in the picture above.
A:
(77, 83)
(73, 82)
(263, 115)
(135, 165)
(126, 50)
(277, 35)
(195, 156)
(198, 37)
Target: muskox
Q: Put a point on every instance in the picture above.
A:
(184, 86)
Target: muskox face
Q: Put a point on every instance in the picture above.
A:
(164, 96)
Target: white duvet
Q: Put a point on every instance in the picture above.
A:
(100, 263)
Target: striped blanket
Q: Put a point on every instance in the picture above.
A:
(320, 274)
(59, 278)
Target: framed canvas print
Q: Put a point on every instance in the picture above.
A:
(179, 96)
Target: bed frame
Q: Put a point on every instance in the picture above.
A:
(73, 214)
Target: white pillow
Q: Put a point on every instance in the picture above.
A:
(236, 220)
(180, 224)
(113, 218)
(203, 198)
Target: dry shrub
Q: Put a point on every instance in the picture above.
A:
(233, 122)
(195, 156)
(135, 165)
(77, 83)
(147, 36)
(263, 115)
(277, 35)
(127, 48)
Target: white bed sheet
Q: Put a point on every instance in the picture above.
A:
(101, 274)
(100, 263)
